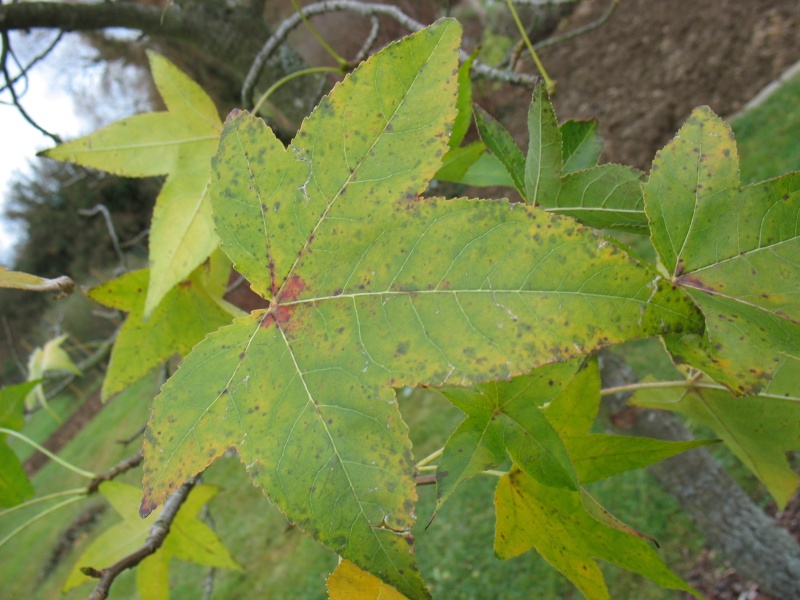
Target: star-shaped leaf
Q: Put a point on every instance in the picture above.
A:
(373, 287)
(759, 430)
(559, 172)
(186, 314)
(597, 456)
(734, 250)
(178, 143)
(189, 539)
(14, 484)
(552, 520)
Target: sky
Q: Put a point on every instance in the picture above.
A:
(49, 98)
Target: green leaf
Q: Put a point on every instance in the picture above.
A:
(604, 197)
(14, 484)
(62, 286)
(502, 146)
(189, 539)
(734, 250)
(759, 431)
(463, 102)
(581, 145)
(543, 164)
(598, 456)
(552, 520)
(348, 582)
(506, 419)
(187, 313)
(371, 288)
(178, 143)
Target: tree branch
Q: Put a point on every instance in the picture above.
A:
(158, 533)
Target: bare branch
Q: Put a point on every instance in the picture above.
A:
(367, 10)
(24, 70)
(10, 86)
(118, 469)
(580, 30)
(102, 209)
(158, 533)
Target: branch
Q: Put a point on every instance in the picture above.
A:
(580, 30)
(158, 533)
(118, 469)
(112, 233)
(367, 10)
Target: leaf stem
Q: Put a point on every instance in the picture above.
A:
(47, 453)
(41, 515)
(284, 80)
(430, 458)
(549, 84)
(72, 492)
(343, 64)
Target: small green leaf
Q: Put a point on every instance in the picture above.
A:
(734, 250)
(598, 456)
(463, 102)
(544, 160)
(760, 431)
(554, 522)
(604, 197)
(14, 484)
(581, 145)
(178, 143)
(185, 315)
(50, 358)
(506, 419)
(502, 146)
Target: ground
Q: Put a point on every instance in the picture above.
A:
(641, 74)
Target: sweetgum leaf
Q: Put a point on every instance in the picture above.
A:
(185, 315)
(760, 431)
(348, 582)
(178, 143)
(598, 456)
(506, 419)
(373, 287)
(552, 520)
(559, 172)
(733, 249)
(14, 484)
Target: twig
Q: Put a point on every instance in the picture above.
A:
(367, 10)
(133, 436)
(12, 345)
(15, 100)
(102, 209)
(158, 533)
(425, 479)
(24, 70)
(135, 239)
(118, 469)
(580, 30)
(366, 47)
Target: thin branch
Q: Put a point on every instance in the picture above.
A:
(24, 70)
(14, 98)
(118, 469)
(135, 239)
(366, 47)
(12, 345)
(158, 533)
(367, 10)
(580, 30)
(112, 233)
(133, 436)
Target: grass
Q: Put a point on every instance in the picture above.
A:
(455, 552)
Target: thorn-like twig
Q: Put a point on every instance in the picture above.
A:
(158, 533)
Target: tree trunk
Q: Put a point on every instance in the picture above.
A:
(755, 546)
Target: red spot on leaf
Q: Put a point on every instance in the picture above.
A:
(292, 288)
(690, 281)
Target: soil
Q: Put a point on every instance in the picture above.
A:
(640, 75)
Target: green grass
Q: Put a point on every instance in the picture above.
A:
(455, 552)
